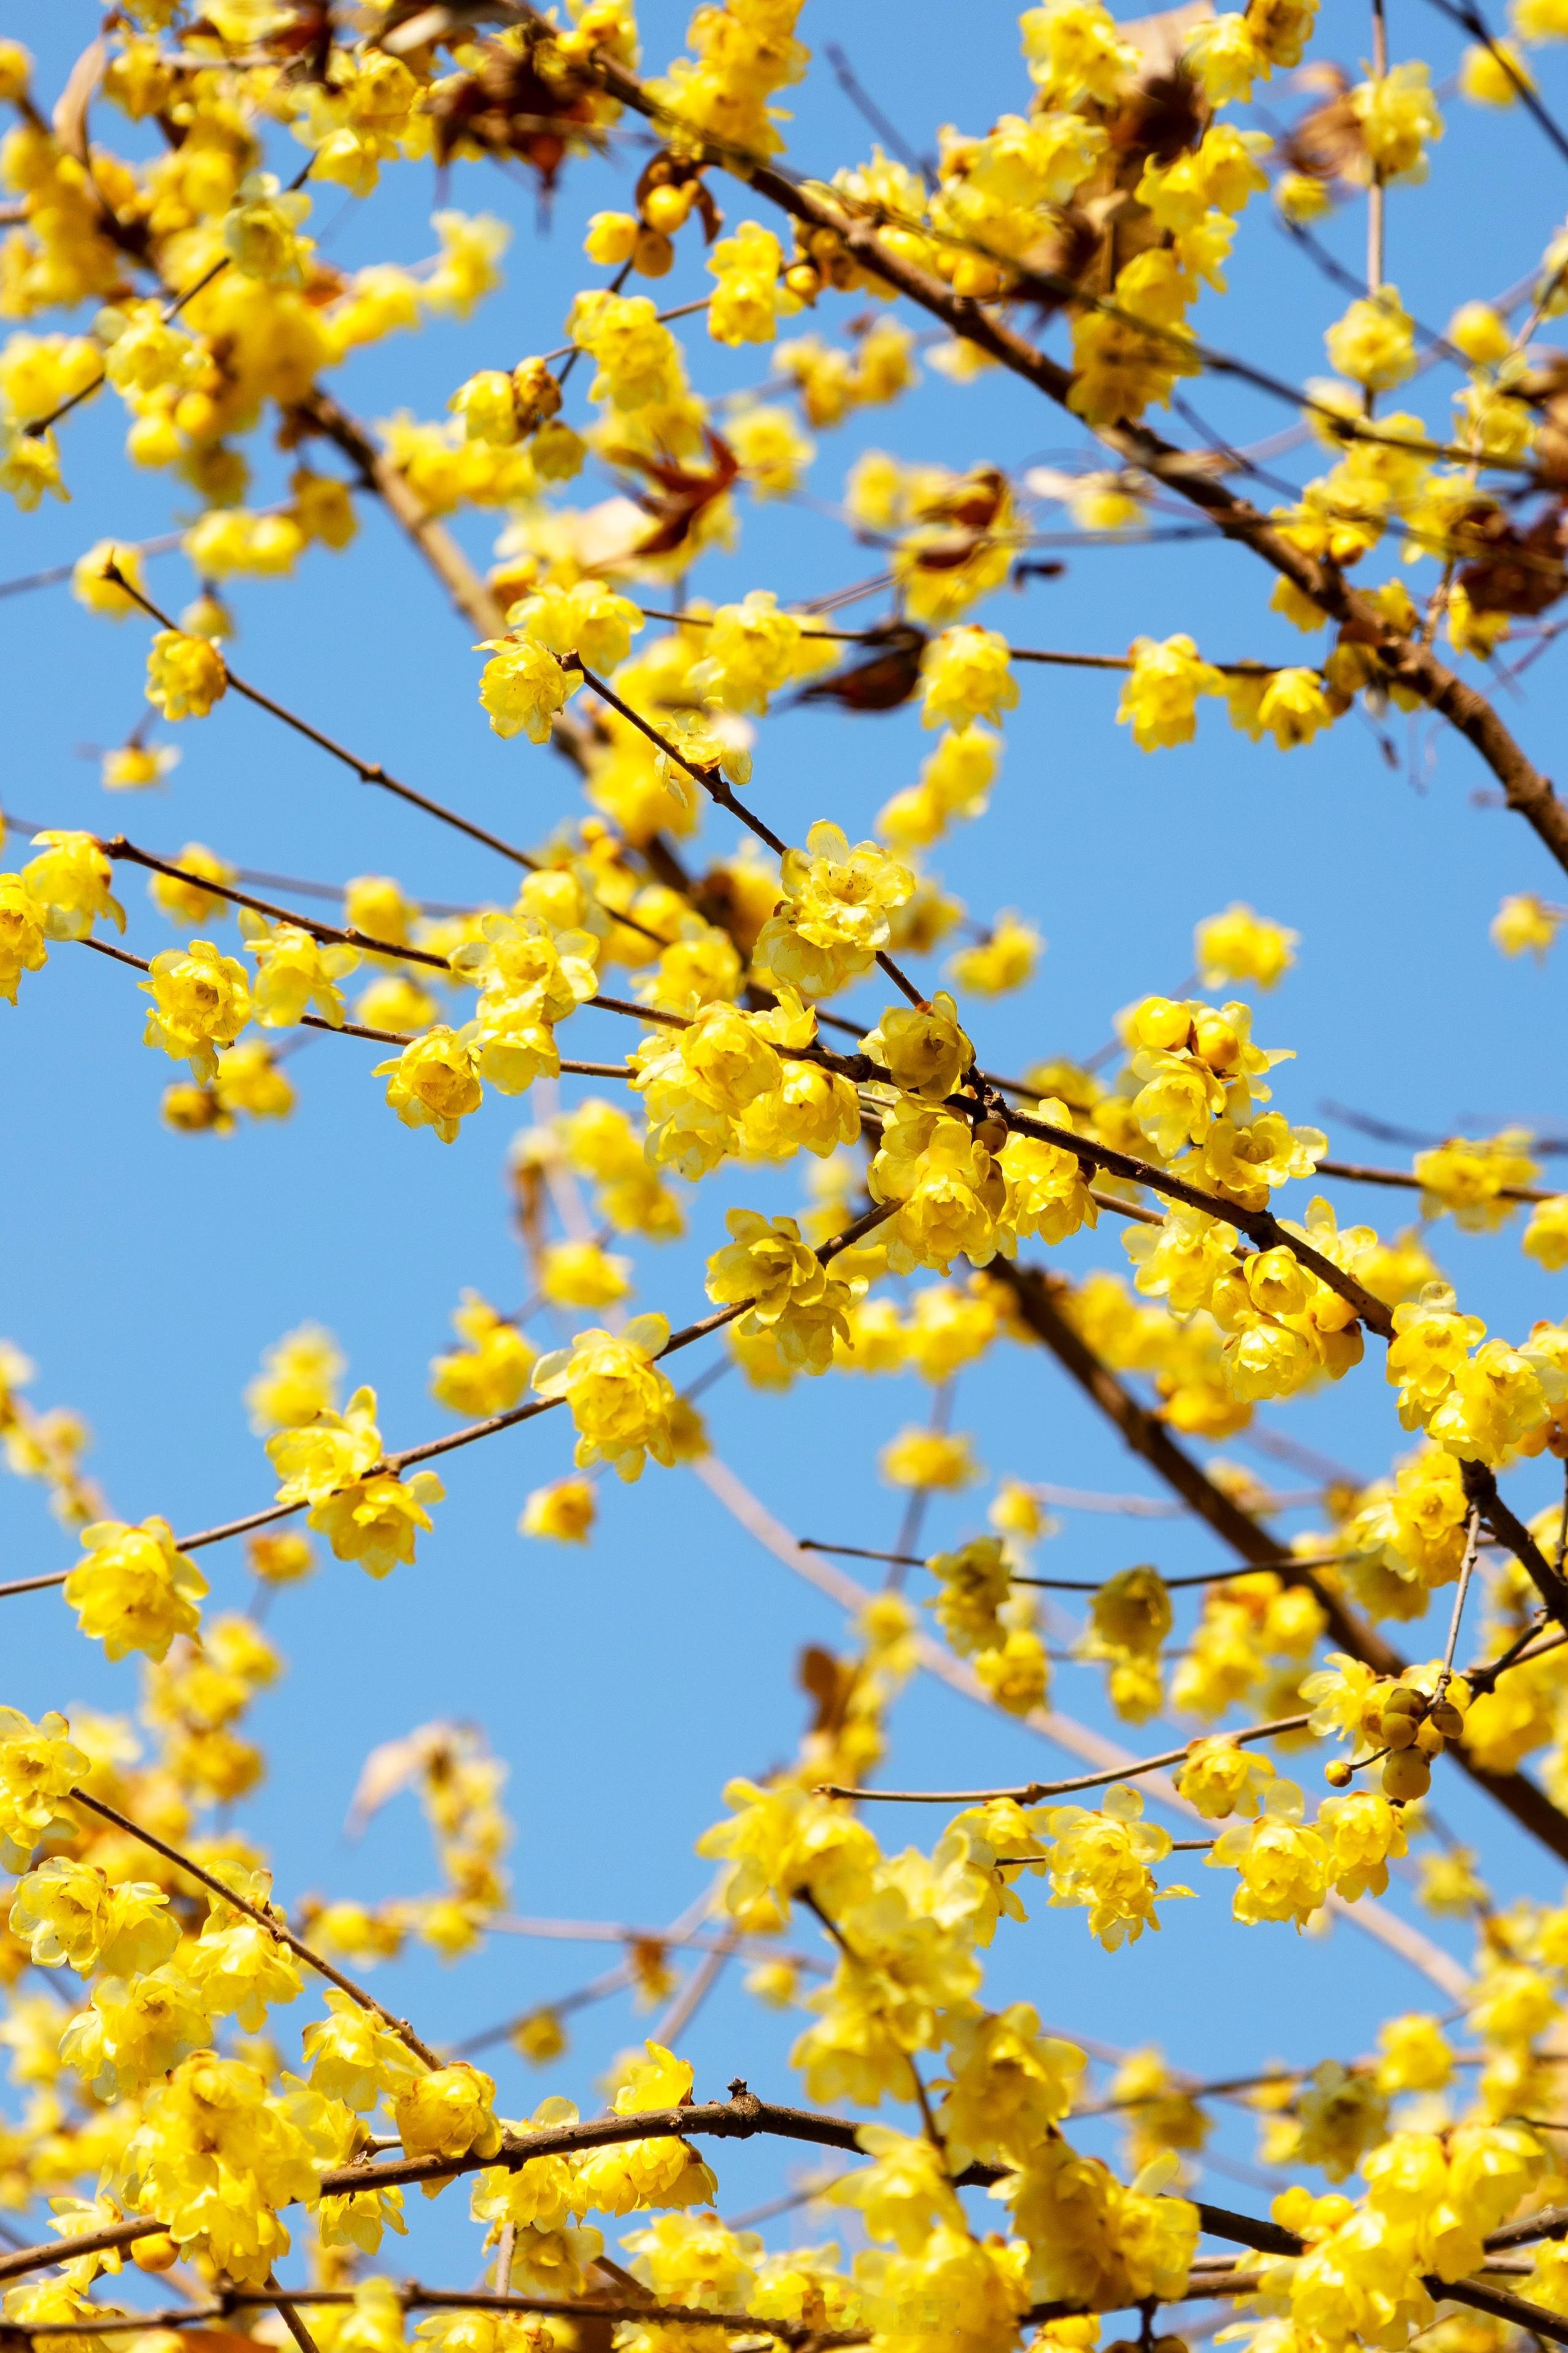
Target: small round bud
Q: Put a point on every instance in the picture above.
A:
(159, 2253)
(1406, 1775)
(536, 392)
(1448, 1719)
(1428, 1739)
(654, 256)
(1337, 1773)
(668, 210)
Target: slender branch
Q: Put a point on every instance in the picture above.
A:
(164, 544)
(1466, 1567)
(117, 846)
(1260, 1226)
(1145, 1433)
(1015, 653)
(307, 1021)
(394, 1464)
(263, 1919)
(1526, 789)
(1031, 1792)
(712, 781)
(291, 2318)
(1353, 1172)
(1475, 24)
(1068, 1584)
(369, 772)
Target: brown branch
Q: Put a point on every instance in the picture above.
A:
(369, 772)
(1260, 1226)
(117, 846)
(1038, 1301)
(1352, 1172)
(1032, 1792)
(394, 1464)
(1411, 664)
(263, 1919)
(470, 595)
(713, 781)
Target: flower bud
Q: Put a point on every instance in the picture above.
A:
(668, 210)
(158, 2254)
(1406, 1775)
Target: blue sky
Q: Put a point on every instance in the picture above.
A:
(145, 1273)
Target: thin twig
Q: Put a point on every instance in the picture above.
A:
(1031, 1792)
(369, 772)
(263, 1919)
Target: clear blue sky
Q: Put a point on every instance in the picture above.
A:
(145, 1273)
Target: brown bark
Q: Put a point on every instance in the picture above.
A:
(1148, 1437)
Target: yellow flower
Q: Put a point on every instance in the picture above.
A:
(1004, 960)
(328, 1451)
(22, 929)
(837, 912)
(587, 619)
(187, 902)
(433, 1082)
(92, 587)
(788, 1290)
(1160, 700)
(295, 972)
(1130, 1615)
(1398, 115)
(564, 1511)
(922, 1048)
(1546, 1236)
(134, 1591)
(353, 2057)
(280, 1559)
(620, 1402)
(752, 649)
(30, 465)
(490, 1373)
(522, 687)
(185, 675)
(1289, 704)
(372, 1520)
(1219, 1778)
(1240, 944)
(638, 359)
(201, 1001)
(1373, 343)
(967, 677)
(1073, 52)
(1416, 2054)
(749, 295)
(583, 1274)
(1016, 1671)
(69, 880)
(68, 1912)
(298, 1380)
(929, 1458)
(1102, 1859)
(1525, 922)
(39, 1764)
(774, 452)
(448, 2111)
(259, 230)
(216, 2157)
(1283, 1869)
